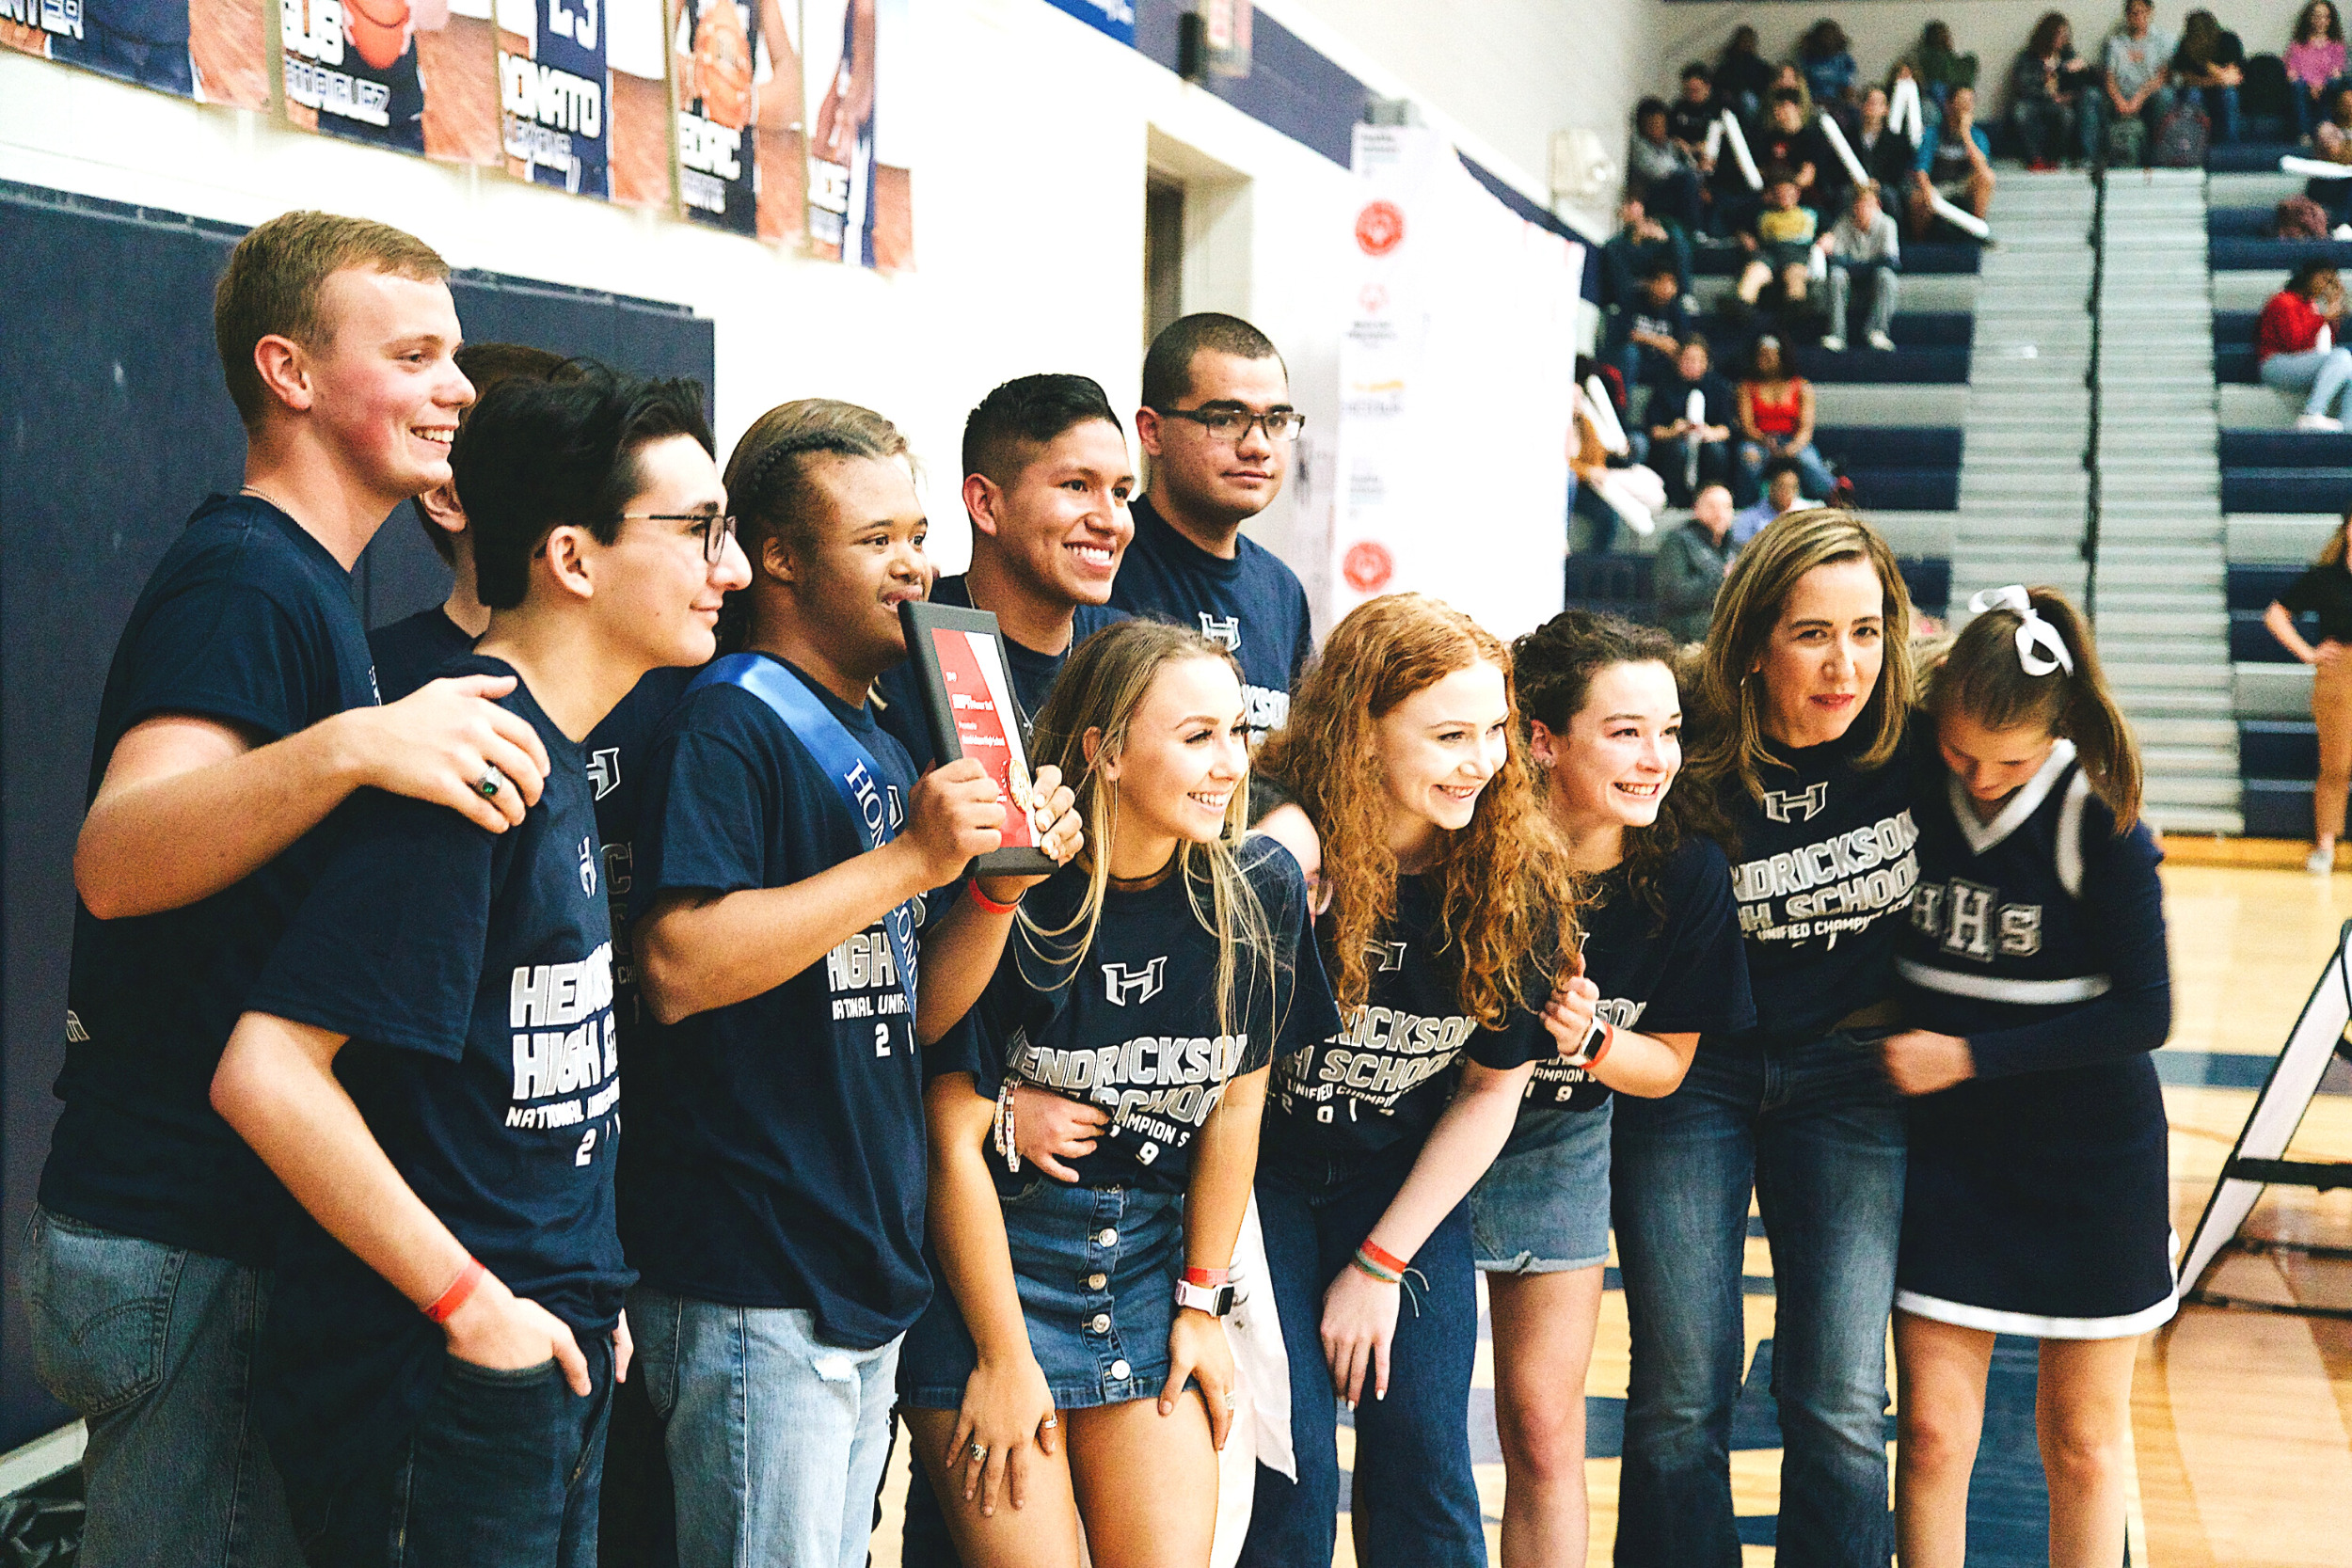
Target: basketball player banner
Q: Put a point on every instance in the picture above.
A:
(211, 50)
(860, 187)
(2259, 1159)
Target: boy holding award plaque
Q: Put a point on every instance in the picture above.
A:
(773, 1203)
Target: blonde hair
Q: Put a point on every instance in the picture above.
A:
(1098, 692)
(271, 284)
(1748, 607)
(1509, 897)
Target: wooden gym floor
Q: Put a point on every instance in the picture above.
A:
(2241, 1422)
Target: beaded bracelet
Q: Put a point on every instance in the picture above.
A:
(1004, 1135)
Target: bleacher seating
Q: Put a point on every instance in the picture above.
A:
(2285, 470)
(1931, 347)
(1618, 583)
(1896, 467)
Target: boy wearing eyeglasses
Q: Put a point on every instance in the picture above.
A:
(428, 1061)
(1219, 428)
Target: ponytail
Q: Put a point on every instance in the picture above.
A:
(2028, 658)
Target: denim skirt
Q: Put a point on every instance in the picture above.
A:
(1096, 1268)
(1543, 1206)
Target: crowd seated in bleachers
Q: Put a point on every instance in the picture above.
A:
(1784, 491)
(2315, 63)
(1780, 242)
(1666, 176)
(1641, 244)
(1954, 162)
(2050, 92)
(1863, 243)
(2294, 350)
(1646, 335)
(1776, 410)
(1691, 563)
(1690, 423)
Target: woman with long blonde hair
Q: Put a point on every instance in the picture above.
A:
(1451, 916)
(1156, 977)
(1803, 755)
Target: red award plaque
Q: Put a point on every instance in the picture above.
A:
(969, 702)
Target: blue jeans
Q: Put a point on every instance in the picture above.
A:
(154, 1346)
(776, 1439)
(2321, 375)
(1818, 1134)
(1812, 472)
(504, 1471)
(2221, 108)
(1413, 1490)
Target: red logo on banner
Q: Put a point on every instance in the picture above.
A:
(1368, 566)
(1371, 299)
(1379, 227)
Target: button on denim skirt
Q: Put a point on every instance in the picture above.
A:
(1097, 1269)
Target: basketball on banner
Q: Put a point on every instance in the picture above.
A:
(1380, 227)
(1368, 566)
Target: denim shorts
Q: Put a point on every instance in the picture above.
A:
(1096, 1268)
(1543, 1206)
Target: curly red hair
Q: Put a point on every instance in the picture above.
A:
(1509, 898)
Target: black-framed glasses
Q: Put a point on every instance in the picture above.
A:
(1231, 425)
(713, 531)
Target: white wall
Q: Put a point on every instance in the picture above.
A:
(1028, 195)
(1884, 30)
(1501, 76)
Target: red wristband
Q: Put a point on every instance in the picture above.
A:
(461, 1290)
(1607, 1040)
(1207, 1278)
(984, 901)
(1383, 1257)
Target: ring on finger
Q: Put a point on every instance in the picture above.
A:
(1051, 1422)
(488, 785)
(980, 1450)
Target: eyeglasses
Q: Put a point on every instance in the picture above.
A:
(714, 531)
(1231, 425)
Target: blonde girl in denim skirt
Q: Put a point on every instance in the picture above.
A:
(1662, 952)
(1071, 1374)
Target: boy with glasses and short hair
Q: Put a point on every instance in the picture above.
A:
(1219, 428)
(429, 1063)
(241, 709)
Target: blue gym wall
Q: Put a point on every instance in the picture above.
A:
(113, 424)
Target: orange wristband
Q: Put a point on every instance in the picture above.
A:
(1383, 1257)
(1207, 1278)
(984, 901)
(460, 1291)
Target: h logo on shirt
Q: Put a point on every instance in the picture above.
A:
(588, 866)
(604, 771)
(1796, 805)
(1224, 632)
(1388, 955)
(1121, 982)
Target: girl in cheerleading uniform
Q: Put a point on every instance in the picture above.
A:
(1451, 916)
(1156, 977)
(1804, 703)
(1604, 725)
(2035, 986)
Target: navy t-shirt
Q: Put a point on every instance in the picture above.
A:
(1825, 866)
(1132, 1025)
(247, 620)
(1387, 1076)
(617, 751)
(1681, 974)
(412, 650)
(1033, 674)
(776, 1155)
(473, 973)
(1252, 604)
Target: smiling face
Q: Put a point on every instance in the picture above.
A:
(865, 559)
(1821, 660)
(655, 586)
(1187, 752)
(1437, 749)
(1062, 523)
(384, 387)
(1612, 766)
(1219, 479)
(1992, 765)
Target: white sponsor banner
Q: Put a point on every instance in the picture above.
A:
(1457, 390)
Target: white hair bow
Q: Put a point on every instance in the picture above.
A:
(2039, 648)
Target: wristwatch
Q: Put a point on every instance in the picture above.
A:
(1216, 1300)
(1596, 1044)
